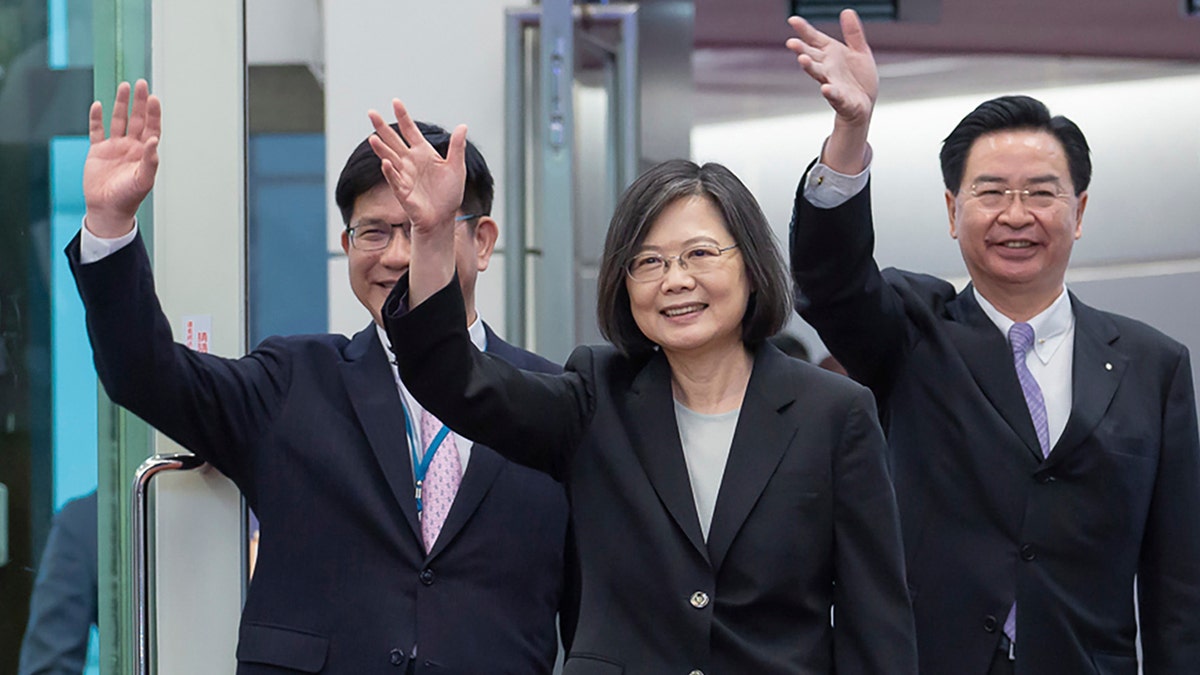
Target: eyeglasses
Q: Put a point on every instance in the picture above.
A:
(697, 259)
(997, 197)
(378, 236)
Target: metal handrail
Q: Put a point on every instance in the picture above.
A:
(141, 556)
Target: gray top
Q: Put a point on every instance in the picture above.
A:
(706, 440)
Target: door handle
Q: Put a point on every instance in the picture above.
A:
(141, 555)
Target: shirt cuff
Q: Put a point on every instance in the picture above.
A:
(826, 188)
(94, 249)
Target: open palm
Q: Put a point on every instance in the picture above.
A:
(120, 168)
(428, 186)
(846, 71)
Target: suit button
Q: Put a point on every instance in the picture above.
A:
(989, 623)
(696, 672)
(1027, 553)
(699, 600)
(427, 576)
(396, 657)
(1048, 478)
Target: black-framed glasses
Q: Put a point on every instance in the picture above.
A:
(378, 236)
(999, 197)
(698, 259)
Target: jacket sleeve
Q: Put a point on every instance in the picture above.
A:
(840, 290)
(874, 630)
(535, 419)
(1169, 569)
(214, 407)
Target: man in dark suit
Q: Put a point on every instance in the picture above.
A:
(1045, 452)
(365, 565)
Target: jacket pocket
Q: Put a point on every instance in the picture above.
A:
(1115, 664)
(282, 647)
(591, 664)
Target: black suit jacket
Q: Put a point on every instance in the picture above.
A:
(310, 428)
(805, 518)
(986, 520)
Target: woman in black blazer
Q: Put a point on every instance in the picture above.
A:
(725, 497)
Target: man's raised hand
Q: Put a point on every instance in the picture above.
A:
(845, 71)
(119, 170)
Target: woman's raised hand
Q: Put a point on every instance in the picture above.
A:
(429, 187)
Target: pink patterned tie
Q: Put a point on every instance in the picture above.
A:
(441, 481)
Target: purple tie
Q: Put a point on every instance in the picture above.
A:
(1020, 336)
(441, 481)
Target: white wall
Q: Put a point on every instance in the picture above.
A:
(1145, 193)
(446, 62)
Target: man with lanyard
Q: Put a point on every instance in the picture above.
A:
(373, 557)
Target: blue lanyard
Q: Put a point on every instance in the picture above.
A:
(421, 464)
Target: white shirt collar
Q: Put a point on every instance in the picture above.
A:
(476, 330)
(1051, 326)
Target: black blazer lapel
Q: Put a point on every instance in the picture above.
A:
(1095, 373)
(762, 437)
(655, 435)
(372, 391)
(989, 358)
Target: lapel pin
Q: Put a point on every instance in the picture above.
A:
(1108, 366)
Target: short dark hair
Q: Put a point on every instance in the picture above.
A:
(1014, 112)
(363, 172)
(770, 303)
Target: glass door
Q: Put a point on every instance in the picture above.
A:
(48, 408)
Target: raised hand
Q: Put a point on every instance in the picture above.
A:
(429, 187)
(119, 170)
(846, 72)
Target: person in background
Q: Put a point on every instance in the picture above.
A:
(65, 601)
(725, 497)
(1045, 452)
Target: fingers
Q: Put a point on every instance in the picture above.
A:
(456, 154)
(150, 158)
(386, 136)
(137, 120)
(120, 114)
(815, 70)
(408, 128)
(806, 32)
(153, 128)
(382, 150)
(802, 48)
(852, 31)
(96, 123)
(400, 186)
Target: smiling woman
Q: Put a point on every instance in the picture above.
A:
(672, 207)
(725, 497)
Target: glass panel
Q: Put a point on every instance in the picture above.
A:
(121, 51)
(47, 386)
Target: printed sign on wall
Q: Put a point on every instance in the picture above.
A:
(197, 332)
